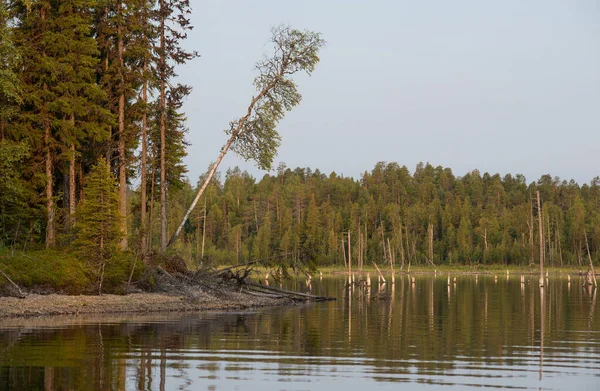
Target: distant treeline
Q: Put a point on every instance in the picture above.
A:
(429, 217)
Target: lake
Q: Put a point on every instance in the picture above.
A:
(482, 332)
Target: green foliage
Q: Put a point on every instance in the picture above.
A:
(98, 221)
(10, 86)
(294, 51)
(15, 193)
(301, 216)
(43, 271)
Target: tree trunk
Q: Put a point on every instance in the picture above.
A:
(430, 231)
(390, 253)
(152, 201)
(530, 224)
(234, 135)
(401, 246)
(591, 272)
(549, 240)
(203, 230)
(539, 204)
(344, 251)
(50, 233)
(122, 165)
(163, 186)
(349, 255)
(359, 251)
(558, 240)
(72, 183)
(143, 167)
(408, 255)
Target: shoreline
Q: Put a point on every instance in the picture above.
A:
(35, 305)
(39, 305)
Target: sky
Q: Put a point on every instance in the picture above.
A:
(500, 86)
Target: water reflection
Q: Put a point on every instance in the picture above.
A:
(426, 331)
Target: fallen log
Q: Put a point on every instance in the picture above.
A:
(264, 294)
(379, 271)
(306, 296)
(21, 294)
(219, 271)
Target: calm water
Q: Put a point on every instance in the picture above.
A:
(428, 335)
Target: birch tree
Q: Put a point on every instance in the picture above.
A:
(254, 136)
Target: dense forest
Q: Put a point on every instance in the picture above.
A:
(84, 81)
(89, 95)
(427, 217)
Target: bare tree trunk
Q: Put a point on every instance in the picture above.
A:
(50, 233)
(401, 246)
(122, 165)
(385, 257)
(366, 243)
(203, 230)
(430, 232)
(549, 239)
(559, 244)
(163, 185)
(390, 254)
(530, 224)
(344, 252)
(48, 378)
(152, 199)
(539, 204)
(234, 135)
(591, 272)
(143, 168)
(349, 255)
(359, 255)
(408, 254)
(72, 189)
(198, 235)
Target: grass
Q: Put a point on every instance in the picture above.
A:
(61, 271)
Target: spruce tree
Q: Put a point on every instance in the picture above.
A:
(10, 90)
(173, 25)
(99, 221)
(60, 112)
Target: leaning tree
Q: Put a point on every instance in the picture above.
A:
(254, 136)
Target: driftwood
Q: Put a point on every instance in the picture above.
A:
(249, 263)
(591, 275)
(287, 293)
(244, 285)
(21, 294)
(379, 271)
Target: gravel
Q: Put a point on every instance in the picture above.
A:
(140, 303)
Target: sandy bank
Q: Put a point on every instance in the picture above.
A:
(139, 303)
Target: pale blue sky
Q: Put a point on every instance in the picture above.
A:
(501, 86)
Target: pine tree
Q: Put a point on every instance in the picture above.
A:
(99, 221)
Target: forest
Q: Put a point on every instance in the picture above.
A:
(429, 217)
(92, 137)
